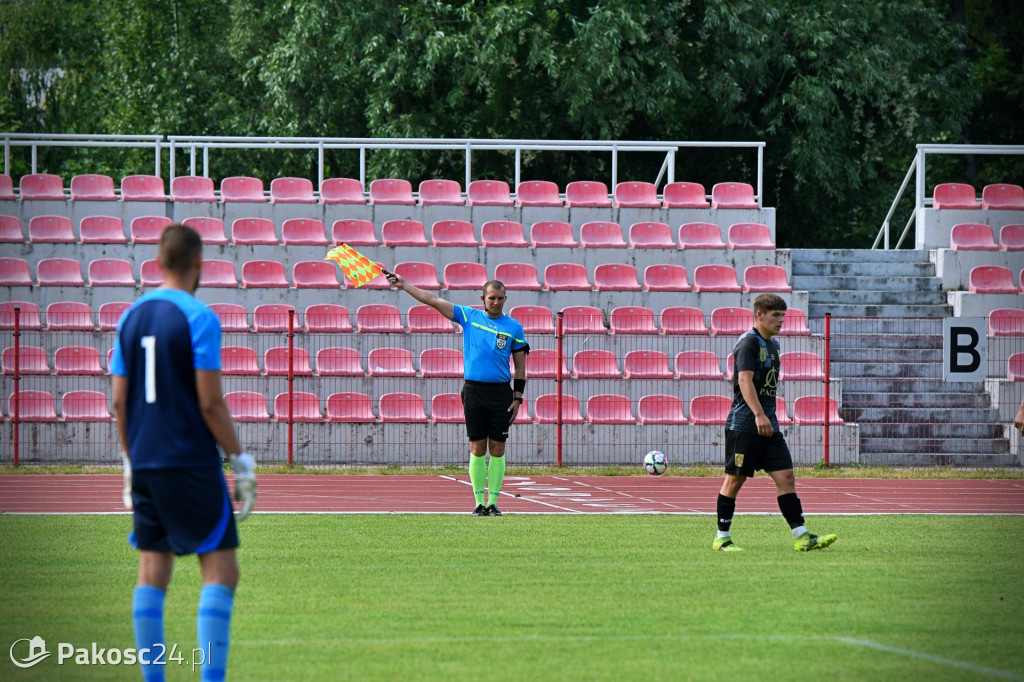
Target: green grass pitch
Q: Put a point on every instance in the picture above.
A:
(547, 597)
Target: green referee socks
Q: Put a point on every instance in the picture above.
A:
(478, 476)
(495, 475)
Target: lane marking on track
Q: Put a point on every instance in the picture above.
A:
(511, 481)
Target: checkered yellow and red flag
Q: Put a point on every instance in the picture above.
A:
(357, 267)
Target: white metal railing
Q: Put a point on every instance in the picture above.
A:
(918, 169)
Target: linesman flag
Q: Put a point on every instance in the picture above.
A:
(357, 267)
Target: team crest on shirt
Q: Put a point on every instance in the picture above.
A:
(764, 355)
(500, 341)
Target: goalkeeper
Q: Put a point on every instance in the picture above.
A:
(171, 416)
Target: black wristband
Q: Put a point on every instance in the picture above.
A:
(518, 398)
(518, 385)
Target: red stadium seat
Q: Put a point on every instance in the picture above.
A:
(552, 234)
(954, 195)
(101, 229)
(41, 187)
(795, 323)
(84, 406)
(59, 272)
(11, 233)
(422, 275)
(32, 406)
(636, 195)
(733, 195)
(391, 191)
(566, 277)
(517, 276)
(546, 409)
(354, 232)
(247, 406)
(403, 233)
(441, 362)
(682, 320)
(660, 409)
(587, 193)
(239, 361)
(339, 362)
(601, 235)
(452, 233)
(69, 316)
(595, 364)
(31, 360)
(401, 407)
(780, 413)
(216, 273)
(211, 230)
(810, 409)
(698, 364)
(305, 407)
(615, 277)
(273, 317)
(583, 319)
(502, 233)
(609, 408)
(537, 193)
(650, 236)
(390, 362)
(110, 313)
(263, 274)
(354, 408)
(665, 278)
(424, 319)
(381, 318)
(632, 320)
(242, 189)
(92, 187)
(446, 408)
(193, 188)
(341, 191)
(465, 276)
(730, 366)
(142, 188)
(488, 193)
(440, 193)
(1006, 322)
(750, 236)
(700, 236)
(14, 272)
(327, 317)
(645, 364)
(276, 362)
(1002, 197)
(253, 231)
(303, 232)
(535, 319)
(685, 195)
(709, 409)
(291, 191)
(1011, 238)
(770, 278)
(715, 278)
(800, 366)
(50, 229)
(147, 229)
(28, 316)
(315, 274)
(110, 272)
(1015, 367)
(731, 321)
(542, 363)
(991, 279)
(972, 237)
(6, 188)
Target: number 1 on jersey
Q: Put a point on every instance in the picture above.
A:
(149, 345)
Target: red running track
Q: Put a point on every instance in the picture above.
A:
(345, 494)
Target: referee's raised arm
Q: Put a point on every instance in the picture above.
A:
(446, 308)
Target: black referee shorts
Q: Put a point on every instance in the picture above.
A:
(486, 409)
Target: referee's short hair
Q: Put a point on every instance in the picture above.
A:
(493, 284)
(179, 246)
(768, 302)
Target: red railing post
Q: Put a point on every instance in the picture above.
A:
(15, 422)
(558, 390)
(828, 381)
(291, 384)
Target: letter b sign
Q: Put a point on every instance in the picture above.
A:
(963, 349)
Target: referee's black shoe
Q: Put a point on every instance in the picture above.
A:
(492, 510)
(480, 510)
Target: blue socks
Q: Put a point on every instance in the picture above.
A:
(148, 624)
(213, 626)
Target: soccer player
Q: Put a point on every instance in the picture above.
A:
(489, 338)
(752, 437)
(1018, 420)
(171, 416)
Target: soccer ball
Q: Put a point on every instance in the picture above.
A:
(655, 462)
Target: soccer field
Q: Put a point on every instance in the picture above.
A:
(546, 597)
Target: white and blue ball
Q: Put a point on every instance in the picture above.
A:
(655, 462)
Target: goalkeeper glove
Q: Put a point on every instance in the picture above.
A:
(126, 492)
(245, 483)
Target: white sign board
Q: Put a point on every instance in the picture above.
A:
(964, 349)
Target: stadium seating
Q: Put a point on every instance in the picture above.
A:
(810, 409)
(349, 408)
(697, 364)
(665, 278)
(709, 409)
(276, 362)
(770, 278)
(780, 413)
(31, 360)
(546, 409)
(601, 235)
(636, 195)
(147, 229)
(150, 274)
(50, 229)
(1011, 238)
(315, 274)
(420, 274)
(110, 313)
(77, 360)
(1006, 322)
(253, 231)
(700, 236)
(391, 191)
(537, 193)
(291, 191)
(583, 319)
(341, 191)
(247, 407)
(217, 273)
(28, 315)
(733, 195)
(1015, 367)
(660, 409)
(336, 361)
(379, 318)
(646, 364)
(730, 366)
(685, 195)
(795, 323)
(242, 189)
(441, 362)
(682, 320)
(59, 272)
(32, 406)
(731, 321)
(327, 317)
(403, 233)
(800, 366)
(41, 187)
(305, 407)
(390, 362)
(954, 195)
(502, 233)
(101, 229)
(92, 187)
(14, 272)
(465, 276)
(595, 364)
(6, 188)
(972, 237)
(211, 230)
(239, 361)
(452, 233)
(273, 317)
(715, 278)
(587, 193)
(631, 320)
(750, 236)
(517, 276)
(488, 193)
(609, 408)
(1003, 197)
(425, 319)
(566, 277)
(615, 277)
(84, 406)
(401, 407)
(69, 316)
(542, 363)
(439, 192)
(354, 232)
(991, 279)
(303, 232)
(110, 272)
(535, 319)
(650, 236)
(263, 274)
(523, 416)
(552, 234)
(193, 188)
(142, 188)
(10, 230)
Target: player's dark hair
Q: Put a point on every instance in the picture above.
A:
(768, 302)
(179, 246)
(493, 284)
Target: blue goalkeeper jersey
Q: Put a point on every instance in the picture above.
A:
(488, 344)
(162, 339)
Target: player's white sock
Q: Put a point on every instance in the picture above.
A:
(724, 534)
(799, 530)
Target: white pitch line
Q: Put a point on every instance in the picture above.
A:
(939, 660)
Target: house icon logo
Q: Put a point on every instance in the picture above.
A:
(36, 652)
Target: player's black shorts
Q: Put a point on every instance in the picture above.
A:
(747, 452)
(486, 409)
(185, 511)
